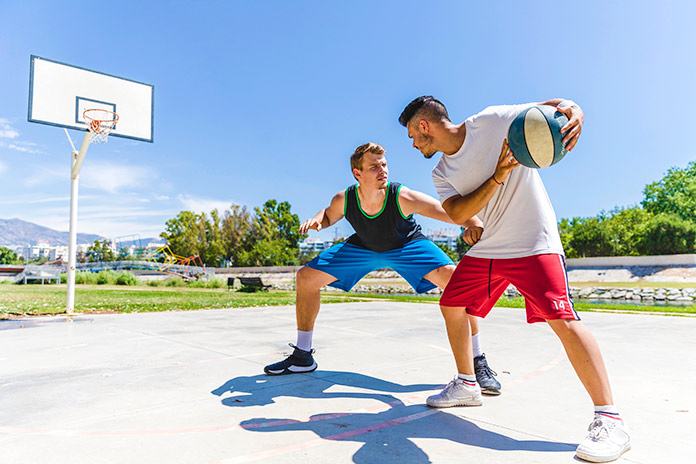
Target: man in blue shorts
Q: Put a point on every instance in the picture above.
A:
(386, 235)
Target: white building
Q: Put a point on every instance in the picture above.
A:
(444, 237)
(313, 244)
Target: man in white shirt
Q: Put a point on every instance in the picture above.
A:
(478, 175)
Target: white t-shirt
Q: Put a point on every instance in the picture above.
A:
(518, 220)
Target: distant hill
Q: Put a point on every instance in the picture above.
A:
(18, 232)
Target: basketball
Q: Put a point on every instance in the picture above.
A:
(535, 137)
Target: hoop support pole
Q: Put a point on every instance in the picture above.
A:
(76, 159)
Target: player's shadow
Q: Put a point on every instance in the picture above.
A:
(387, 436)
(260, 390)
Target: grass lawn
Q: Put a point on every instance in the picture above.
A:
(36, 300)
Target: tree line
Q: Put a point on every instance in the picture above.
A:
(268, 236)
(663, 223)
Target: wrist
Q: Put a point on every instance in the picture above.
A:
(567, 104)
(496, 180)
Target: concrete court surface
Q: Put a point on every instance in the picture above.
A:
(188, 387)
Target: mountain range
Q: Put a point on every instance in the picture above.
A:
(15, 232)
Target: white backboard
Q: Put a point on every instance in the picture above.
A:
(59, 93)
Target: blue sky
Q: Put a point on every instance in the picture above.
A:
(290, 88)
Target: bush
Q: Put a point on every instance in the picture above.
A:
(84, 277)
(175, 282)
(666, 234)
(126, 278)
(214, 282)
(155, 283)
(107, 277)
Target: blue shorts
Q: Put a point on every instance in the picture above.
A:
(349, 263)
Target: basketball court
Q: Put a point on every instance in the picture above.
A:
(188, 387)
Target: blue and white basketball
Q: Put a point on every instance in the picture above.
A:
(535, 137)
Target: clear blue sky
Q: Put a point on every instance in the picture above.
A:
(290, 88)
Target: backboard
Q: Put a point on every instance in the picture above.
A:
(59, 93)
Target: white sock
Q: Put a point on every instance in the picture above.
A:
(469, 380)
(304, 339)
(476, 345)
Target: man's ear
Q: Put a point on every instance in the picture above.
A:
(424, 126)
(357, 174)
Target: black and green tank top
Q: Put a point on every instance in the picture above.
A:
(387, 230)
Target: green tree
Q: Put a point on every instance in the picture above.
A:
(462, 246)
(236, 229)
(674, 193)
(274, 237)
(453, 255)
(624, 226)
(100, 251)
(590, 237)
(565, 230)
(666, 234)
(8, 256)
(183, 233)
(214, 253)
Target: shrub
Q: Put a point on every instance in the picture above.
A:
(175, 282)
(127, 278)
(107, 277)
(85, 278)
(666, 234)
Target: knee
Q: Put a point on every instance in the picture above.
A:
(449, 312)
(306, 278)
(566, 327)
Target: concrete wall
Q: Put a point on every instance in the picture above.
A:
(624, 261)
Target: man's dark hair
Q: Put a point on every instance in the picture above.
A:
(428, 107)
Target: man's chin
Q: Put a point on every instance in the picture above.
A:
(429, 155)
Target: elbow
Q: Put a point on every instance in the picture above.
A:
(459, 218)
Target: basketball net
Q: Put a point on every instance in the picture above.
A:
(100, 124)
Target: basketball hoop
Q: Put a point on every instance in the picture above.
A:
(100, 123)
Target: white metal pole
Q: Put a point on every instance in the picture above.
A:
(76, 160)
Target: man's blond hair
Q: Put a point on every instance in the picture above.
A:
(356, 159)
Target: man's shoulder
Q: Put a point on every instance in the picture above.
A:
(498, 112)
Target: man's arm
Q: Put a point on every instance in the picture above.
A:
(327, 216)
(460, 208)
(413, 201)
(576, 118)
(463, 207)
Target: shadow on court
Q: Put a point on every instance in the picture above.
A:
(259, 390)
(386, 436)
(405, 423)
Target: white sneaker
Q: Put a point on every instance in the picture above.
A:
(608, 439)
(457, 393)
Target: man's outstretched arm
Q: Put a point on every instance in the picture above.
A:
(327, 216)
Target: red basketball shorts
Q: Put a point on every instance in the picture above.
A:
(477, 283)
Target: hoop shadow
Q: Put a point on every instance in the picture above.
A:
(387, 436)
(260, 390)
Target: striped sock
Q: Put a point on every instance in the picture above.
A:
(468, 380)
(609, 411)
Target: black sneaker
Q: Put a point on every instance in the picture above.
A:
(484, 376)
(298, 362)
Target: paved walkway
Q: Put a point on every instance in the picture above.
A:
(187, 387)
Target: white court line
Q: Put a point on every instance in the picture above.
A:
(66, 347)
